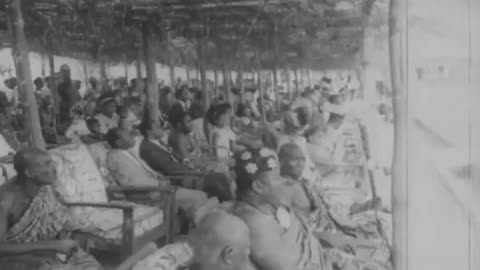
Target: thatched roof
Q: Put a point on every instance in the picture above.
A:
(308, 32)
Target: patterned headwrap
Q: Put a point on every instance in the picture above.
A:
(251, 162)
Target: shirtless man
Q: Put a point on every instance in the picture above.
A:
(32, 221)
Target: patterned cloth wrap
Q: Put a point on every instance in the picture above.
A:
(79, 180)
(322, 220)
(169, 257)
(45, 219)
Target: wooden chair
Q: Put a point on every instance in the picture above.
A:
(87, 194)
(130, 244)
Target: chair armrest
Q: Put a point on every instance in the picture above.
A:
(128, 234)
(341, 165)
(142, 189)
(185, 173)
(191, 181)
(112, 205)
(142, 195)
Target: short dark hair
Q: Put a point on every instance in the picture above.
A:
(145, 126)
(179, 92)
(90, 122)
(335, 117)
(112, 137)
(333, 98)
(23, 157)
(196, 111)
(178, 118)
(220, 110)
(241, 110)
(38, 80)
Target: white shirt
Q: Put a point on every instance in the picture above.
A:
(197, 130)
(79, 127)
(224, 135)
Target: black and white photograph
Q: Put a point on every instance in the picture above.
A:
(239, 134)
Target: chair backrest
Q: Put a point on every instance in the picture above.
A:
(79, 179)
(99, 152)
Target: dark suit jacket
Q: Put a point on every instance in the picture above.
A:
(160, 160)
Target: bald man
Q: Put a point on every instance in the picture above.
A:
(32, 219)
(220, 242)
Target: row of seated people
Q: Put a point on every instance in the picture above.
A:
(80, 180)
(266, 226)
(279, 237)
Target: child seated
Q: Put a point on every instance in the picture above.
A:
(78, 127)
(95, 134)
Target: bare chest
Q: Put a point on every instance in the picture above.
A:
(18, 208)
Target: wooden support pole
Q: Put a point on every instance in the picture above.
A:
(289, 83)
(215, 71)
(310, 79)
(187, 73)
(242, 86)
(42, 59)
(103, 74)
(85, 73)
(53, 86)
(152, 85)
(125, 66)
(275, 88)
(197, 71)
(275, 63)
(261, 91)
(203, 74)
(171, 61)
(53, 82)
(138, 63)
(171, 68)
(297, 82)
(22, 62)
(398, 47)
(227, 84)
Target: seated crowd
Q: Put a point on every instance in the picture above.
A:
(248, 194)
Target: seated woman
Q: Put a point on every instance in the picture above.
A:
(224, 140)
(34, 225)
(244, 117)
(108, 117)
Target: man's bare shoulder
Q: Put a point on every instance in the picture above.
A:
(8, 192)
(257, 221)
